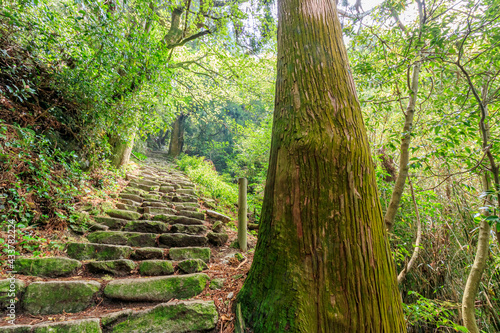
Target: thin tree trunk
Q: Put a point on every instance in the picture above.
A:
(322, 262)
(483, 242)
(404, 158)
(416, 250)
(177, 136)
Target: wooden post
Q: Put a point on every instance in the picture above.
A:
(242, 214)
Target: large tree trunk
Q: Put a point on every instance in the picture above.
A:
(177, 136)
(322, 262)
(123, 149)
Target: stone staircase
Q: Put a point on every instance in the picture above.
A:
(150, 253)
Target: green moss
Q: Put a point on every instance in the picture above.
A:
(51, 267)
(85, 251)
(192, 265)
(123, 214)
(9, 287)
(156, 267)
(157, 289)
(182, 253)
(217, 283)
(59, 296)
(188, 229)
(183, 317)
(108, 237)
(75, 326)
(120, 267)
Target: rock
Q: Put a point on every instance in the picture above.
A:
(230, 295)
(187, 205)
(188, 229)
(115, 317)
(16, 329)
(218, 239)
(181, 240)
(192, 266)
(217, 283)
(143, 187)
(188, 213)
(217, 227)
(127, 207)
(218, 216)
(147, 182)
(148, 253)
(166, 188)
(185, 198)
(152, 196)
(130, 202)
(146, 226)
(123, 238)
(159, 210)
(176, 219)
(74, 326)
(119, 267)
(181, 317)
(182, 253)
(86, 251)
(48, 267)
(186, 191)
(9, 288)
(157, 289)
(156, 267)
(155, 204)
(134, 197)
(112, 222)
(131, 190)
(97, 227)
(210, 203)
(123, 214)
(59, 296)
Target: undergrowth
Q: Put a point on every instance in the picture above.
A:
(213, 184)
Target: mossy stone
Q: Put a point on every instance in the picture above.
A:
(146, 253)
(177, 219)
(123, 214)
(112, 222)
(86, 251)
(16, 329)
(217, 239)
(192, 266)
(182, 253)
(217, 283)
(11, 289)
(123, 238)
(74, 326)
(217, 227)
(193, 214)
(156, 267)
(48, 267)
(59, 296)
(157, 289)
(182, 317)
(181, 240)
(115, 317)
(188, 229)
(120, 267)
(146, 226)
(159, 210)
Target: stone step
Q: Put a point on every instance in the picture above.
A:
(143, 187)
(133, 197)
(178, 219)
(181, 240)
(124, 214)
(119, 267)
(156, 227)
(47, 267)
(156, 289)
(59, 296)
(180, 317)
(137, 239)
(159, 210)
(112, 223)
(218, 216)
(123, 206)
(88, 251)
(183, 253)
(156, 267)
(193, 214)
(185, 198)
(74, 326)
(188, 229)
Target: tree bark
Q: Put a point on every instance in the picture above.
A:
(122, 151)
(322, 262)
(177, 136)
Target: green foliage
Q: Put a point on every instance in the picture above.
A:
(433, 313)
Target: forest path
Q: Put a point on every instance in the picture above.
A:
(158, 261)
